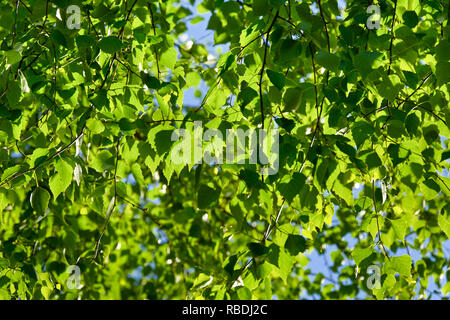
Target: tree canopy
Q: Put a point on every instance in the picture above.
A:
(94, 207)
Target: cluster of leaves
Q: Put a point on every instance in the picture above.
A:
(86, 176)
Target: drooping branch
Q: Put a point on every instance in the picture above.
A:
(154, 33)
(261, 74)
(67, 147)
(377, 219)
(265, 237)
(15, 24)
(319, 109)
(112, 205)
(272, 226)
(418, 87)
(325, 26)
(392, 38)
(145, 210)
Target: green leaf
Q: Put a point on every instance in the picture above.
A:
(412, 124)
(342, 191)
(361, 131)
(4, 294)
(244, 293)
(251, 179)
(348, 149)
(431, 133)
(100, 99)
(277, 3)
(110, 44)
(295, 244)
(137, 173)
(150, 81)
(389, 282)
(286, 124)
(430, 189)
(363, 62)
(12, 56)
(442, 50)
(411, 79)
(401, 265)
(411, 19)
(197, 20)
(103, 160)
(328, 60)
(278, 257)
(169, 58)
(359, 254)
(446, 289)
(245, 96)
(257, 249)
(62, 179)
(292, 99)
(207, 196)
(4, 263)
(399, 226)
(126, 125)
(443, 72)
(390, 87)
(163, 105)
(163, 141)
(39, 200)
(278, 79)
(229, 264)
(84, 41)
(395, 128)
(371, 159)
(46, 291)
(225, 62)
(260, 7)
(58, 37)
(444, 224)
(292, 188)
(96, 126)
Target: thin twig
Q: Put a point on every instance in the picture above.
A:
(67, 147)
(319, 109)
(325, 25)
(426, 109)
(92, 24)
(376, 215)
(271, 226)
(261, 74)
(15, 24)
(154, 33)
(392, 38)
(145, 210)
(265, 237)
(420, 85)
(26, 7)
(112, 206)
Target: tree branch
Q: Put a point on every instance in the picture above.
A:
(376, 215)
(154, 33)
(392, 38)
(18, 174)
(261, 74)
(112, 205)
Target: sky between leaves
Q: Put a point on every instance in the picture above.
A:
(87, 178)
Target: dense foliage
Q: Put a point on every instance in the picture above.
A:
(86, 177)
